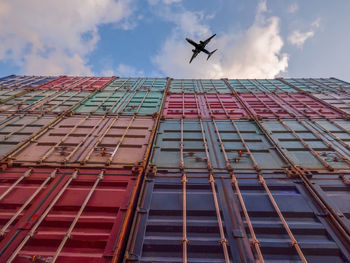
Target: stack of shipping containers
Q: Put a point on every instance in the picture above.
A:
(174, 170)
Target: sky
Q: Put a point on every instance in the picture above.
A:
(137, 38)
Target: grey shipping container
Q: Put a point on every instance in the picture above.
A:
(134, 84)
(54, 101)
(260, 86)
(198, 86)
(313, 144)
(218, 144)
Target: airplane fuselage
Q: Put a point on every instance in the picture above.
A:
(199, 47)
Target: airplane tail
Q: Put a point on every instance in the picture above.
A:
(211, 53)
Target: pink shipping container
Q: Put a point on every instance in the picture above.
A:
(78, 83)
(218, 106)
(93, 141)
(287, 105)
(64, 215)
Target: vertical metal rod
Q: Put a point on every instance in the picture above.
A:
(100, 138)
(110, 160)
(255, 241)
(66, 159)
(67, 235)
(25, 174)
(46, 155)
(31, 233)
(24, 125)
(184, 218)
(223, 240)
(294, 242)
(19, 211)
(323, 162)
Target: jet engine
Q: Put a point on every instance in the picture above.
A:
(193, 50)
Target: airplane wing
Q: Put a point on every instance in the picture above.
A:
(195, 53)
(207, 41)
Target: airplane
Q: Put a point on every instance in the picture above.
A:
(200, 47)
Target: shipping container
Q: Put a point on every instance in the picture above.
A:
(90, 140)
(122, 102)
(341, 101)
(64, 215)
(16, 129)
(231, 218)
(288, 105)
(219, 106)
(77, 83)
(15, 81)
(313, 144)
(8, 94)
(198, 86)
(319, 85)
(42, 100)
(199, 145)
(137, 84)
(259, 86)
(334, 190)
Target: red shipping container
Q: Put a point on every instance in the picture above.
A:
(78, 83)
(287, 105)
(218, 106)
(74, 215)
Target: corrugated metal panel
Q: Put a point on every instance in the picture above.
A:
(77, 83)
(118, 102)
(334, 188)
(92, 141)
(71, 216)
(137, 84)
(18, 128)
(315, 145)
(219, 106)
(15, 81)
(206, 218)
(220, 144)
(45, 101)
(7, 94)
(320, 85)
(259, 86)
(198, 86)
(342, 102)
(289, 105)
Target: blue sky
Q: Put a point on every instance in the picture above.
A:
(256, 39)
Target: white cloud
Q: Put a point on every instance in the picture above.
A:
(128, 71)
(54, 37)
(298, 38)
(253, 53)
(293, 8)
